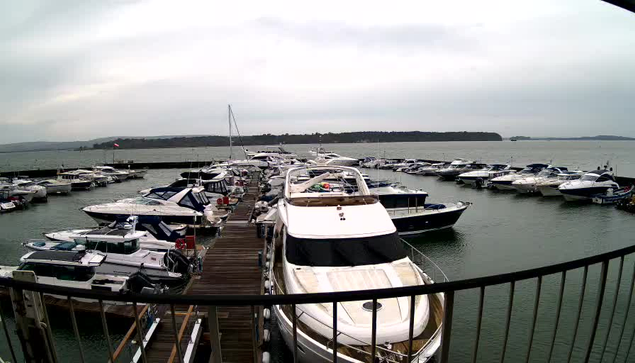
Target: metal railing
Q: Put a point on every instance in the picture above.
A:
(595, 344)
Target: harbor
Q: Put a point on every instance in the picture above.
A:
(233, 264)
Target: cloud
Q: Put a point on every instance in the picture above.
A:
(84, 69)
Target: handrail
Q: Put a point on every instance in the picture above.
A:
(228, 300)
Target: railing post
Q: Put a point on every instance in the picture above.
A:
(334, 331)
(598, 309)
(295, 334)
(478, 324)
(563, 280)
(628, 308)
(448, 310)
(617, 293)
(214, 331)
(535, 316)
(577, 319)
(374, 331)
(512, 287)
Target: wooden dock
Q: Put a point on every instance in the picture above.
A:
(230, 266)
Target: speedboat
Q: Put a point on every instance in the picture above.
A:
(458, 167)
(98, 178)
(549, 187)
(118, 175)
(430, 170)
(153, 233)
(55, 186)
(592, 183)
(529, 185)
(504, 182)
(39, 192)
(480, 177)
(276, 151)
(78, 269)
(333, 159)
(360, 249)
(174, 205)
(404, 164)
(11, 192)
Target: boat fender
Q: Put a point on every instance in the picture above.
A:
(267, 265)
(266, 335)
(266, 313)
(267, 285)
(266, 357)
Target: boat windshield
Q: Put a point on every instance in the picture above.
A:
(145, 201)
(344, 251)
(589, 177)
(122, 248)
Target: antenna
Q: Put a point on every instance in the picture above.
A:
(229, 121)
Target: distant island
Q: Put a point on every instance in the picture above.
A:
(586, 138)
(315, 138)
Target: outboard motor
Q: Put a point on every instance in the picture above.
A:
(176, 261)
(139, 281)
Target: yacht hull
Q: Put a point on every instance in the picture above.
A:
(502, 185)
(58, 189)
(428, 220)
(549, 191)
(169, 219)
(582, 194)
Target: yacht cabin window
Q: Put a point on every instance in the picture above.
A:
(605, 177)
(122, 248)
(344, 251)
(67, 273)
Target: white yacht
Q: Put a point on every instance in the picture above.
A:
(480, 177)
(174, 205)
(529, 185)
(118, 175)
(504, 182)
(98, 178)
(39, 192)
(55, 186)
(592, 183)
(549, 187)
(276, 151)
(77, 269)
(431, 170)
(78, 180)
(333, 159)
(360, 249)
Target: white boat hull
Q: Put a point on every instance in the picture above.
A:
(549, 191)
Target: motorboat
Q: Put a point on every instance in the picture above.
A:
(137, 173)
(39, 192)
(431, 170)
(414, 169)
(406, 163)
(504, 182)
(412, 215)
(78, 269)
(174, 205)
(614, 196)
(98, 178)
(458, 167)
(79, 181)
(276, 151)
(529, 185)
(124, 256)
(333, 159)
(21, 196)
(480, 177)
(206, 173)
(55, 186)
(549, 187)
(589, 185)
(153, 233)
(360, 250)
(118, 175)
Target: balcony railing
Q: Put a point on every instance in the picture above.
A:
(595, 347)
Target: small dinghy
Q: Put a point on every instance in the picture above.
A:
(613, 196)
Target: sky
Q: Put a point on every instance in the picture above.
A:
(76, 70)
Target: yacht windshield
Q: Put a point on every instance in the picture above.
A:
(145, 201)
(344, 251)
(589, 177)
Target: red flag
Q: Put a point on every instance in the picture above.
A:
(116, 145)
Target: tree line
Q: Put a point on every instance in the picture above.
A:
(315, 138)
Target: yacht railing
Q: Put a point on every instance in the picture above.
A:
(584, 338)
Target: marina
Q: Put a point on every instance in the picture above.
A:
(234, 264)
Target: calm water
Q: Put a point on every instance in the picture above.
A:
(574, 154)
(500, 232)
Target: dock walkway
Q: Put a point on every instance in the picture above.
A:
(230, 266)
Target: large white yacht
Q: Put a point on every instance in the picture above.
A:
(174, 205)
(354, 246)
(504, 182)
(529, 185)
(549, 187)
(119, 175)
(480, 177)
(592, 183)
(333, 159)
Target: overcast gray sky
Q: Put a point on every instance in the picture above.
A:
(72, 70)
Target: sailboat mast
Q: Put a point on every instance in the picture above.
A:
(229, 121)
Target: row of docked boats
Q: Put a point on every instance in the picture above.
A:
(599, 186)
(18, 192)
(140, 244)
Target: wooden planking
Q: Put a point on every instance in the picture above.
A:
(231, 267)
